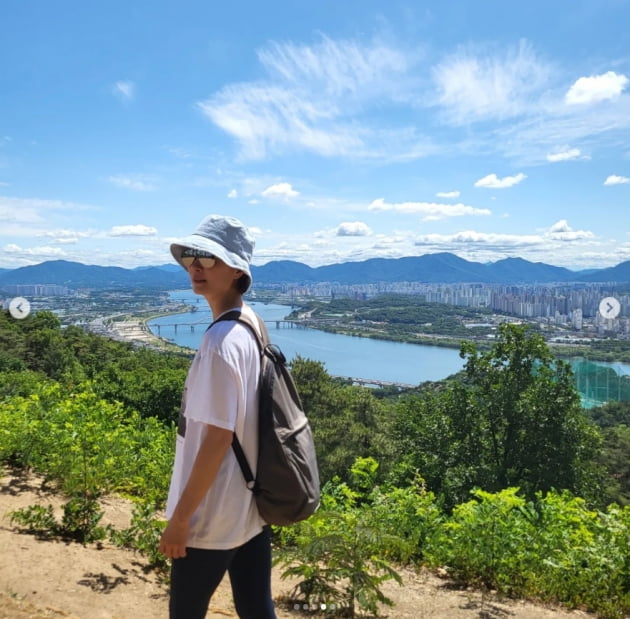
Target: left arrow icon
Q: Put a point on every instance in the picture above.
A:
(19, 308)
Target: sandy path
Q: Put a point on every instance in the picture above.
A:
(56, 579)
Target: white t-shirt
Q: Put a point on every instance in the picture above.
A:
(221, 390)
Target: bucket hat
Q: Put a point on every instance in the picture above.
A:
(225, 237)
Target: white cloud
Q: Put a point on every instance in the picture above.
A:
(337, 67)
(124, 90)
(498, 241)
(33, 210)
(280, 190)
(65, 236)
(596, 88)
(564, 155)
(135, 182)
(475, 86)
(353, 228)
(492, 181)
(41, 252)
(134, 230)
(613, 179)
(562, 231)
(448, 194)
(319, 98)
(430, 211)
(233, 194)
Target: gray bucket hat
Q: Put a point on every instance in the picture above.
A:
(224, 237)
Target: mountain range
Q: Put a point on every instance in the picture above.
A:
(437, 268)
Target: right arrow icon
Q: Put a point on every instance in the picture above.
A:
(609, 308)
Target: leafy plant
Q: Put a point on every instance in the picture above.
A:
(143, 535)
(338, 558)
(79, 522)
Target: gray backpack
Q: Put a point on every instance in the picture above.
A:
(286, 487)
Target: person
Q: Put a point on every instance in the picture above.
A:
(213, 524)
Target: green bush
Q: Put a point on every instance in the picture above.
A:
(553, 548)
(88, 445)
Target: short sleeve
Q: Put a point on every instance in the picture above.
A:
(215, 398)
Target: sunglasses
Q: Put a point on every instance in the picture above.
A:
(206, 260)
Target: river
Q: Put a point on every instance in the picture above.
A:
(342, 355)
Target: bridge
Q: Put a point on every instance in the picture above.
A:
(371, 382)
(284, 324)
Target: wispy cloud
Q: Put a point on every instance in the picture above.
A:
(135, 182)
(474, 85)
(124, 90)
(448, 194)
(492, 181)
(430, 211)
(34, 210)
(320, 98)
(596, 88)
(613, 179)
(369, 99)
(133, 230)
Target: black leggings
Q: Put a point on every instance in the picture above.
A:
(195, 578)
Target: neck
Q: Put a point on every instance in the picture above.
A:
(225, 303)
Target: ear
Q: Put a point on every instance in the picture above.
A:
(238, 273)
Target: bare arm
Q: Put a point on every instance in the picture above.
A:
(213, 448)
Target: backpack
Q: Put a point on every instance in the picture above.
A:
(286, 487)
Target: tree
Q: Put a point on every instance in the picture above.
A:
(513, 420)
(615, 457)
(347, 421)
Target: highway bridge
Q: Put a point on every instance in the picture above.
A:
(371, 382)
(203, 324)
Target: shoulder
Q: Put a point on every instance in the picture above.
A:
(230, 335)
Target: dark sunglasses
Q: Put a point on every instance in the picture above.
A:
(206, 259)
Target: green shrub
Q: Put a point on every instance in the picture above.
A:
(553, 548)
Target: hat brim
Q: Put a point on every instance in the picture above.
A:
(195, 241)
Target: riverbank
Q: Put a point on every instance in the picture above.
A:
(562, 351)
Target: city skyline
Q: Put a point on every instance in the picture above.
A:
(337, 131)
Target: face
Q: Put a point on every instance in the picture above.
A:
(208, 274)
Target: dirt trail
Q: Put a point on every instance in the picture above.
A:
(42, 579)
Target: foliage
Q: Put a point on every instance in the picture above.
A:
(514, 420)
(80, 521)
(611, 414)
(95, 416)
(87, 444)
(342, 552)
(347, 421)
(552, 547)
(615, 459)
(143, 535)
(147, 381)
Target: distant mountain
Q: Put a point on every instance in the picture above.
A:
(619, 273)
(171, 268)
(430, 268)
(77, 275)
(517, 271)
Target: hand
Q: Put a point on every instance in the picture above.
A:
(173, 540)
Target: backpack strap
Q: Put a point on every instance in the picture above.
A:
(262, 341)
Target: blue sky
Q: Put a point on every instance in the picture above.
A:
(337, 130)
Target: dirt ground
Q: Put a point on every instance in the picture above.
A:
(43, 579)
